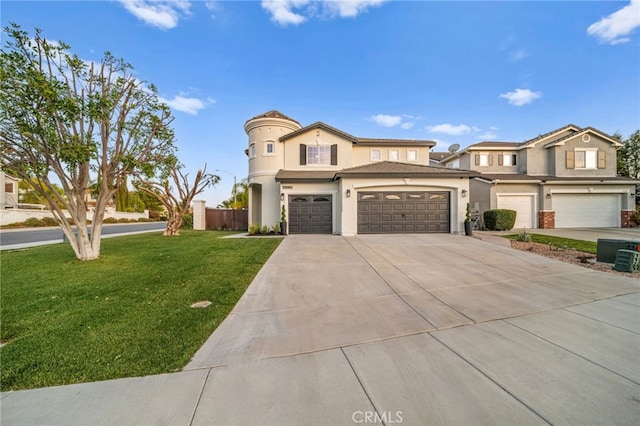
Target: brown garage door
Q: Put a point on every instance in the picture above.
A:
(403, 212)
(310, 214)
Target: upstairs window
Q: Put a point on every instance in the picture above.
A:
(376, 155)
(507, 159)
(586, 159)
(8, 187)
(252, 150)
(412, 155)
(268, 148)
(484, 160)
(319, 155)
(394, 155)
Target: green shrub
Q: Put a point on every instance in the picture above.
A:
(276, 228)
(144, 219)
(635, 217)
(499, 219)
(109, 220)
(187, 221)
(255, 229)
(34, 222)
(123, 220)
(524, 236)
(49, 221)
(154, 215)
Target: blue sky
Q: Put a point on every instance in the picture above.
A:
(453, 72)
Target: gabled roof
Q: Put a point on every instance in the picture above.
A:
(273, 114)
(493, 144)
(396, 142)
(318, 125)
(584, 131)
(437, 156)
(402, 170)
(551, 133)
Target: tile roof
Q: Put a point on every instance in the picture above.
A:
(494, 144)
(403, 169)
(397, 142)
(273, 114)
(305, 175)
(520, 177)
(318, 125)
(581, 132)
(561, 129)
(438, 155)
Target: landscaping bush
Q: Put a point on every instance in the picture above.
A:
(109, 220)
(34, 222)
(144, 219)
(49, 221)
(187, 221)
(154, 215)
(635, 217)
(499, 219)
(123, 220)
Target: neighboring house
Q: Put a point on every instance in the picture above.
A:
(566, 178)
(329, 181)
(9, 188)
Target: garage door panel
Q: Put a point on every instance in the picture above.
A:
(409, 212)
(586, 210)
(524, 205)
(310, 214)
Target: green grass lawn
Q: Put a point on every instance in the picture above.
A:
(585, 246)
(125, 314)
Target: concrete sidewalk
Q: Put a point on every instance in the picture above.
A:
(407, 329)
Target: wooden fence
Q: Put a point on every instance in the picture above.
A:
(227, 219)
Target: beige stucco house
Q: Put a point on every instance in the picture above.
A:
(329, 181)
(566, 178)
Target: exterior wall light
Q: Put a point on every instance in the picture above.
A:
(282, 196)
(464, 193)
(348, 193)
(548, 196)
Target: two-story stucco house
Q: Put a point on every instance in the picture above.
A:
(566, 178)
(329, 181)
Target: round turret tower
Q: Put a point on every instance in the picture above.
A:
(266, 158)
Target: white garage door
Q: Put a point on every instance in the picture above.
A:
(524, 205)
(587, 210)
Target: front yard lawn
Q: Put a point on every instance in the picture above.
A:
(125, 314)
(579, 245)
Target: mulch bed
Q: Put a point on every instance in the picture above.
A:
(579, 258)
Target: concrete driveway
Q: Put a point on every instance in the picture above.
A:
(406, 329)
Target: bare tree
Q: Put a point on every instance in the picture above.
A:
(176, 193)
(63, 119)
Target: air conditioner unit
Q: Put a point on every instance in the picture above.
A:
(627, 261)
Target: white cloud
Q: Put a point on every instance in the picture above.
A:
(407, 125)
(487, 136)
(186, 105)
(615, 28)
(521, 97)
(518, 55)
(163, 14)
(450, 129)
(213, 7)
(386, 120)
(295, 12)
(350, 8)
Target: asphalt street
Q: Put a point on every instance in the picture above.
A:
(10, 239)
